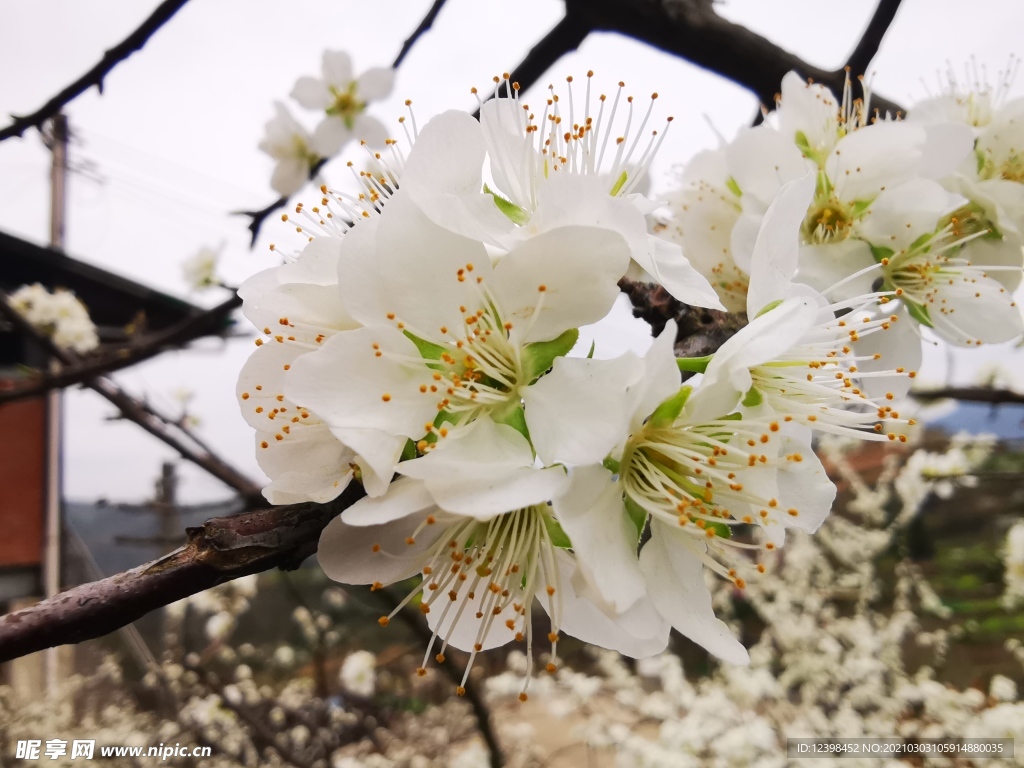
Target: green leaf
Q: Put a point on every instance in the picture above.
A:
(557, 536)
(637, 514)
(753, 398)
(515, 214)
(428, 350)
(539, 356)
(593, 346)
(880, 252)
(768, 307)
(514, 417)
(919, 312)
(619, 184)
(734, 187)
(694, 364)
(667, 413)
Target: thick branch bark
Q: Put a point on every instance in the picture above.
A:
(971, 395)
(220, 550)
(149, 346)
(94, 77)
(693, 31)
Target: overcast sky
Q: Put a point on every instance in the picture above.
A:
(170, 148)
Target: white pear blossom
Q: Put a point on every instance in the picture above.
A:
(343, 97)
(59, 314)
(288, 142)
(1013, 560)
(565, 167)
(444, 331)
(200, 270)
(359, 673)
(472, 518)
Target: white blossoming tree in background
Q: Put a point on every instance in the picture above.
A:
(756, 491)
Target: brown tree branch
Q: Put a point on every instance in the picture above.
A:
(693, 31)
(564, 37)
(860, 58)
(141, 349)
(970, 395)
(94, 77)
(222, 549)
(142, 413)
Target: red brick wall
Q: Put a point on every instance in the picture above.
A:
(22, 468)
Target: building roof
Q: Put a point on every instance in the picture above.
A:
(114, 302)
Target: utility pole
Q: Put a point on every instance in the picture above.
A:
(58, 140)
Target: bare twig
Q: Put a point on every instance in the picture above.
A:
(141, 413)
(426, 24)
(564, 37)
(94, 77)
(257, 217)
(149, 346)
(860, 58)
(693, 31)
(219, 550)
(970, 395)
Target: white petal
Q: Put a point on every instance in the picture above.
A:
(681, 279)
(346, 553)
(330, 135)
(375, 83)
(337, 69)
(371, 130)
(483, 443)
(761, 160)
(316, 468)
(311, 93)
(457, 620)
(377, 455)
(727, 377)
(661, 379)
(874, 158)
(578, 269)
(408, 267)
(580, 411)
(603, 537)
(675, 580)
(486, 496)
(810, 109)
(289, 175)
(897, 347)
(946, 148)
(510, 149)
(803, 486)
(348, 386)
(1006, 252)
(824, 267)
(902, 214)
(776, 250)
(405, 497)
(303, 292)
(977, 311)
(443, 175)
(639, 632)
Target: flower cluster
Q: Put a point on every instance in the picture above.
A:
(928, 209)
(424, 343)
(59, 314)
(341, 99)
(200, 270)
